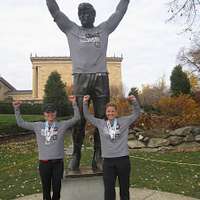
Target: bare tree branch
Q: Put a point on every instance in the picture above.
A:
(190, 58)
(189, 10)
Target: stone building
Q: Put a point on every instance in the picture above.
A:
(8, 92)
(41, 69)
(5, 89)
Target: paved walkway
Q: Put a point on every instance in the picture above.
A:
(136, 194)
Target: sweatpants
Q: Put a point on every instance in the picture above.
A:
(51, 173)
(112, 168)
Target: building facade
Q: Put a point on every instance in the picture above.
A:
(5, 89)
(43, 66)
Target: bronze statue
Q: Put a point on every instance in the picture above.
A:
(88, 47)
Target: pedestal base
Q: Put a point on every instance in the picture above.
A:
(83, 185)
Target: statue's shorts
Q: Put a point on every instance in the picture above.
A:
(95, 84)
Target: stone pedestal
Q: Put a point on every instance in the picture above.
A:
(83, 185)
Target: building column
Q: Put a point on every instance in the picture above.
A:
(35, 82)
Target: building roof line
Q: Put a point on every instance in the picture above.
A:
(67, 58)
(7, 84)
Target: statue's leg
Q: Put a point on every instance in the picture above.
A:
(78, 137)
(81, 82)
(99, 109)
(100, 99)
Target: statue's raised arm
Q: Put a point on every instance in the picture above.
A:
(117, 16)
(63, 22)
(53, 7)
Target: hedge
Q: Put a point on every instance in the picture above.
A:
(33, 109)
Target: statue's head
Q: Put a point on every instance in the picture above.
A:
(87, 14)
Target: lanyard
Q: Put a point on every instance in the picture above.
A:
(112, 129)
(49, 131)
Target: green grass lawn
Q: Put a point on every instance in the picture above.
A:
(8, 123)
(19, 170)
(171, 172)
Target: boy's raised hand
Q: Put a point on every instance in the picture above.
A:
(16, 104)
(72, 99)
(131, 98)
(86, 98)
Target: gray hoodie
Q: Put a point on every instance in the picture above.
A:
(50, 144)
(117, 147)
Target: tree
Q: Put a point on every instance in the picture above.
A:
(187, 10)
(194, 81)
(150, 94)
(180, 83)
(191, 57)
(55, 92)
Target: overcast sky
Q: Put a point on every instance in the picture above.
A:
(149, 45)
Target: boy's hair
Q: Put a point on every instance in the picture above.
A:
(110, 104)
(86, 6)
